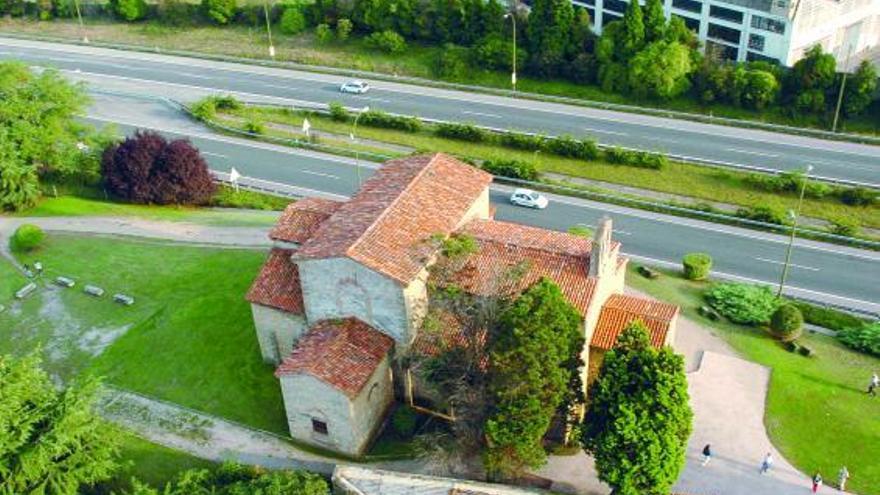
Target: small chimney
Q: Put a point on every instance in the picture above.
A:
(602, 257)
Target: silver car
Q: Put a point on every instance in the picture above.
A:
(354, 87)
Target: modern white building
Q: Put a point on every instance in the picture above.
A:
(780, 30)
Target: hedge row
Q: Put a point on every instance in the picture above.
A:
(793, 182)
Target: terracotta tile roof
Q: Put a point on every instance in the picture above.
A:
(385, 226)
(301, 219)
(620, 310)
(342, 353)
(277, 285)
(506, 248)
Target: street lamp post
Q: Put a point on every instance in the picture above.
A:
(795, 215)
(269, 30)
(357, 154)
(513, 62)
(842, 86)
(82, 28)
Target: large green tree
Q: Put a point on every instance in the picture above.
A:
(660, 70)
(549, 25)
(51, 440)
(632, 36)
(532, 359)
(655, 21)
(639, 419)
(237, 479)
(38, 134)
(860, 88)
(810, 80)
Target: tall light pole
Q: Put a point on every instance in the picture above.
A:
(82, 28)
(269, 29)
(512, 16)
(842, 86)
(357, 153)
(795, 216)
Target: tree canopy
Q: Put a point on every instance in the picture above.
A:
(639, 419)
(236, 479)
(532, 359)
(51, 441)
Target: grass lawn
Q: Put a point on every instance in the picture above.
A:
(700, 183)
(818, 414)
(188, 338)
(418, 61)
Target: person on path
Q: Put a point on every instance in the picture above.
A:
(707, 454)
(872, 387)
(842, 476)
(817, 482)
(767, 464)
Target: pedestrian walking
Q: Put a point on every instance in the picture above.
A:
(842, 476)
(817, 482)
(767, 464)
(872, 387)
(707, 454)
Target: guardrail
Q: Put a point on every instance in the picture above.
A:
(657, 112)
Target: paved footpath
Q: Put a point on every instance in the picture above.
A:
(727, 396)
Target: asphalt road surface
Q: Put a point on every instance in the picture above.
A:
(838, 160)
(819, 271)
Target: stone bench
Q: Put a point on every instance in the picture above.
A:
(93, 290)
(65, 282)
(26, 291)
(123, 299)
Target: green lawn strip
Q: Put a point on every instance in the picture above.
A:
(10, 281)
(417, 61)
(190, 335)
(818, 414)
(698, 182)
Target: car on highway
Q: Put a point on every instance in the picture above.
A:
(529, 199)
(355, 87)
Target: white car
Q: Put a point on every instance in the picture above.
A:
(528, 198)
(355, 87)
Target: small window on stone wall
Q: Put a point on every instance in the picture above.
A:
(319, 426)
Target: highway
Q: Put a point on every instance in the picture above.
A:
(743, 147)
(823, 272)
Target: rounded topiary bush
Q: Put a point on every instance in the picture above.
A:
(404, 421)
(787, 322)
(696, 266)
(26, 238)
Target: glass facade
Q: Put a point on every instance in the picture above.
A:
(726, 14)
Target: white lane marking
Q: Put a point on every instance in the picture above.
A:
(481, 114)
(621, 232)
(747, 152)
(765, 260)
(603, 131)
(320, 174)
(276, 86)
(730, 276)
(218, 155)
(196, 76)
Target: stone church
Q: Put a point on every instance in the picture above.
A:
(345, 287)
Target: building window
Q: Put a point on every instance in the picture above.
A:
(609, 17)
(615, 6)
(756, 42)
(723, 52)
(757, 57)
(690, 22)
(723, 33)
(767, 24)
(319, 426)
(689, 5)
(726, 14)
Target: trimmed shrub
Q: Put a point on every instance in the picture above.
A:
(462, 132)
(338, 111)
(864, 338)
(764, 213)
(696, 266)
(787, 322)
(130, 10)
(743, 303)
(26, 238)
(255, 126)
(567, 146)
(521, 141)
(829, 318)
(227, 102)
(378, 118)
(515, 169)
(293, 20)
(146, 168)
(387, 41)
(404, 421)
(323, 33)
(343, 29)
(642, 159)
(205, 109)
(789, 182)
(219, 11)
(858, 196)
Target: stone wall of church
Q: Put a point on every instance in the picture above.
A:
(350, 422)
(277, 331)
(341, 287)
